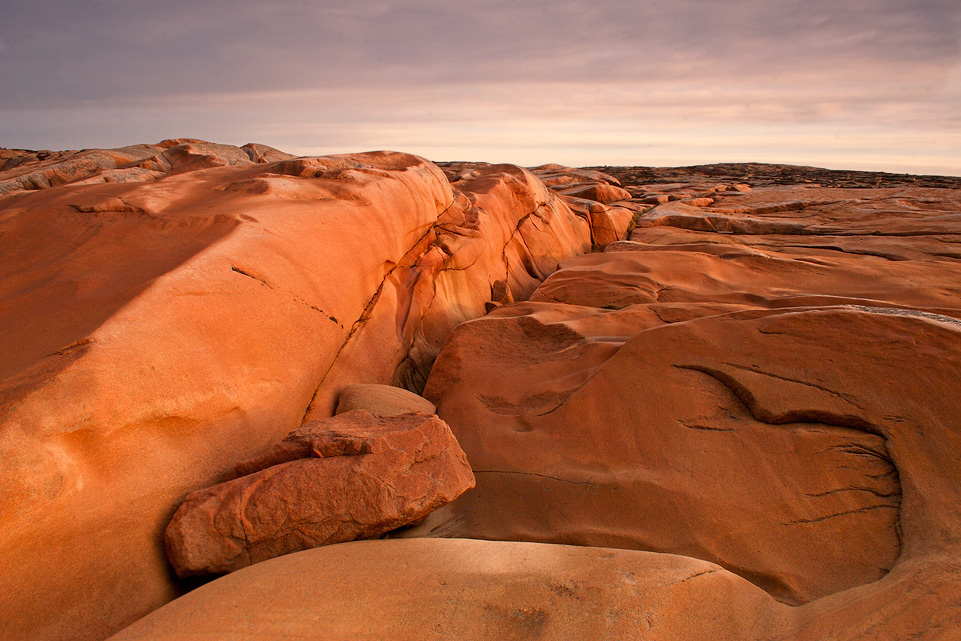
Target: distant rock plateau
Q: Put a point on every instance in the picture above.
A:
(247, 395)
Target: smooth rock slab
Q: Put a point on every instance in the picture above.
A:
(382, 400)
(443, 589)
(353, 476)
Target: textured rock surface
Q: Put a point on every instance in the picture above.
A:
(471, 590)
(666, 441)
(762, 377)
(168, 310)
(353, 476)
(767, 383)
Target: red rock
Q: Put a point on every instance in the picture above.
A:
(610, 224)
(504, 225)
(558, 461)
(354, 476)
(656, 199)
(707, 412)
(601, 192)
(501, 292)
(225, 321)
(640, 400)
(560, 177)
(745, 404)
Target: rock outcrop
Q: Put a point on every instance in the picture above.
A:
(169, 310)
(353, 476)
(745, 412)
(766, 384)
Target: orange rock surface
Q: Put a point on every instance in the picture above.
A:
(770, 387)
(436, 590)
(169, 310)
(745, 414)
(353, 476)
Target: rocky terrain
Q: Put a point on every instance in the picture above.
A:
(707, 402)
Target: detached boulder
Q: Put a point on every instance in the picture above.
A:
(353, 476)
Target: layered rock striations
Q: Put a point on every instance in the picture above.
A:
(169, 310)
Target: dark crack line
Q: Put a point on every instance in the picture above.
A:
(857, 450)
(875, 492)
(295, 297)
(71, 346)
(706, 428)
(694, 576)
(794, 380)
(860, 510)
(851, 252)
(234, 268)
(365, 314)
(544, 476)
(763, 415)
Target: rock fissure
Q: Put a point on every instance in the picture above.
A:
(860, 510)
(295, 297)
(543, 476)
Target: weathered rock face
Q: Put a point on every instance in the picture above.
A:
(779, 399)
(435, 589)
(761, 378)
(168, 310)
(137, 163)
(354, 476)
(505, 225)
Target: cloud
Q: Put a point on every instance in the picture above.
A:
(547, 122)
(69, 50)
(439, 75)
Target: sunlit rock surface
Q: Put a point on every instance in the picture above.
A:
(439, 589)
(767, 382)
(734, 388)
(169, 310)
(349, 477)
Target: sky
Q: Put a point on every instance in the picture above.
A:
(848, 84)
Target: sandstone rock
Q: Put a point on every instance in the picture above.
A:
(656, 199)
(610, 224)
(225, 322)
(436, 589)
(762, 340)
(354, 476)
(382, 400)
(501, 292)
(601, 192)
(264, 154)
(504, 224)
(559, 176)
(52, 169)
(731, 363)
